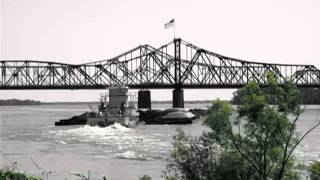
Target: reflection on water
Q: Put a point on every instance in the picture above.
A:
(115, 151)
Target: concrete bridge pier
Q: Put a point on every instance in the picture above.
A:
(177, 98)
(144, 99)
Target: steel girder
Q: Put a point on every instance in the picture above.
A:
(176, 64)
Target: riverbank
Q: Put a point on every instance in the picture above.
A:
(18, 102)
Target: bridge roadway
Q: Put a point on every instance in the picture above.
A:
(175, 65)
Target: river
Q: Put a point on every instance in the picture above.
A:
(27, 134)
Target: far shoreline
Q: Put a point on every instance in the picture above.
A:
(28, 102)
(24, 102)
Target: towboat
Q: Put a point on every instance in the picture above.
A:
(118, 106)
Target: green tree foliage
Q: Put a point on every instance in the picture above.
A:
(254, 141)
(306, 96)
(200, 158)
(192, 156)
(13, 175)
(315, 171)
(145, 177)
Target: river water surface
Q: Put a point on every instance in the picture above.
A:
(119, 153)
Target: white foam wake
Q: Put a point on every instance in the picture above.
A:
(96, 134)
(130, 155)
(118, 141)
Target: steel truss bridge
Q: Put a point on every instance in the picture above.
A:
(178, 64)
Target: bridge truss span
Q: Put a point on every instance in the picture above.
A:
(176, 64)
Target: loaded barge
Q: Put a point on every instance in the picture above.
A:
(120, 106)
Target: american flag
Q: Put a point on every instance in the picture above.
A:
(169, 24)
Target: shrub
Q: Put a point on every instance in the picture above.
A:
(13, 175)
(145, 177)
(315, 171)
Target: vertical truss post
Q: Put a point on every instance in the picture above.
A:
(177, 62)
(177, 94)
(3, 73)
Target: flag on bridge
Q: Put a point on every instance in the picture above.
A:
(169, 24)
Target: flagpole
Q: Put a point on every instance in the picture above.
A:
(170, 24)
(174, 30)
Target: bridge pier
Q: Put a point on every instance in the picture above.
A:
(177, 98)
(144, 99)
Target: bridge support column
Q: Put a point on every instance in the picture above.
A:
(144, 99)
(177, 98)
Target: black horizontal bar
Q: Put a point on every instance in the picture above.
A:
(154, 86)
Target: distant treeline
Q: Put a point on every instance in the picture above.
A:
(307, 96)
(310, 95)
(186, 102)
(17, 102)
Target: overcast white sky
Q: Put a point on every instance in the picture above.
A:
(78, 31)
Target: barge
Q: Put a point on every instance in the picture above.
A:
(120, 106)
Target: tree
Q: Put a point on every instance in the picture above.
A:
(192, 156)
(260, 132)
(200, 158)
(315, 171)
(145, 177)
(257, 137)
